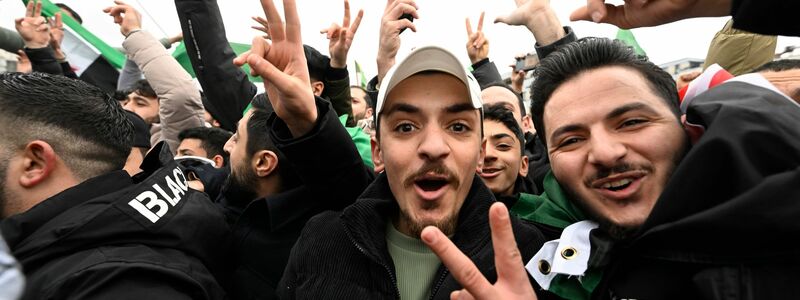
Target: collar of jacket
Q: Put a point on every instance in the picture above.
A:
(18, 228)
(365, 220)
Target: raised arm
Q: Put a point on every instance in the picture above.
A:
(227, 88)
(180, 106)
(337, 79)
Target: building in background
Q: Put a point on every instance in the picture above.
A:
(8, 61)
(681, 66)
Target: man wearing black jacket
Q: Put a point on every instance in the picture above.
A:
(81, 226)
(279, 177)
(428, 145)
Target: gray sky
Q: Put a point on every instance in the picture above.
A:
(441, 22)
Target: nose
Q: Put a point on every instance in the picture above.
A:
(434, 145)
(491, 153)
(127, 106)
(606, 150)
(228, 148)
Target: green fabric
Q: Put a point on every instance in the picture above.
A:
(113, 56)
(626, 36)
(414, 263)
(362, 141)
(182, 57)
(361, 78)
(553, 208)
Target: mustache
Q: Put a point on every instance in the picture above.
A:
(437, 169)
(616, 169)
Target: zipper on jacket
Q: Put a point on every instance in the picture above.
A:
(439, 283)
(385, 266)
(194, 39)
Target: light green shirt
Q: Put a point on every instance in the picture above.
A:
(414, 263)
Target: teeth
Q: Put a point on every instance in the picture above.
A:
(616, 184)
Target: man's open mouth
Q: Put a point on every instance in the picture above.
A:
(490, 172)
(618, 184)
(431, 187)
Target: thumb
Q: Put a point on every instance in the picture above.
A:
(581, 14)
(502, 19)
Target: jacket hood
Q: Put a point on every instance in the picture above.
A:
(154, 208)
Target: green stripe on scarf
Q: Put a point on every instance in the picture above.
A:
(553, 208)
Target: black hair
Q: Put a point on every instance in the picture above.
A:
(259, 138)
(74, 14)
(212, 140)
(367, 98)
(588, 54)
(86, 128)
(521, 103)
(142, 87)
(317, 63)
(779, 65)
(500, 113)
(120, 95)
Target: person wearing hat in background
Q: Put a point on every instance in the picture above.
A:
(428, 146)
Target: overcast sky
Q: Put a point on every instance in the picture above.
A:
(441, 22)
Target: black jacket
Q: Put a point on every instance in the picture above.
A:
(333, 175)
(114, 237)
(726, 225)
(344, 255)
(772, 17)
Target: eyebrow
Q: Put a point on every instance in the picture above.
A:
(629, 107)
(400, 107)
(500, 136)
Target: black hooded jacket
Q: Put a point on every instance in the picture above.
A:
(344, 255)
(117, 237)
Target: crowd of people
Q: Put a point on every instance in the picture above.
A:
(433, 181)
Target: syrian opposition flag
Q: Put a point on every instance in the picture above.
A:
(91, 58)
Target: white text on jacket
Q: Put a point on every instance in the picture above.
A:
(151, 206)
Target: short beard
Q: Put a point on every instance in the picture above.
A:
(239, 188)
(619, 232)
(446, 225)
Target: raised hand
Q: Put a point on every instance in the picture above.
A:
(538, 17)
(33, 28)
(282, 64)
(23, 62)
(391, 26)
(512, 279)
(341, 37)
(264, 26)
(57, 36)
(642, 13)
(477, 44)
(126, 16)
(517, 79)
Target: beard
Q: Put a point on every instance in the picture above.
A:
(616, 231)
(415, 227)
(239, 186)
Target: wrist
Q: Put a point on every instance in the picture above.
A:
(335, 63)
(545, 26)
(132, 31)
(34, 45)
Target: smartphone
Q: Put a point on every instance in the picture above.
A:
(407, 17)
(527, 63)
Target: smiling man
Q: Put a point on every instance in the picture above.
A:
(428, 147)
(504, 165)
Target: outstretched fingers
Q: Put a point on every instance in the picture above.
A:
(293, 33)
(507, 258)
(276, 30)
(462, 268)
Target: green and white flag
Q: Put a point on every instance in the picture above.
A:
(360, 77)
(91, 58)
